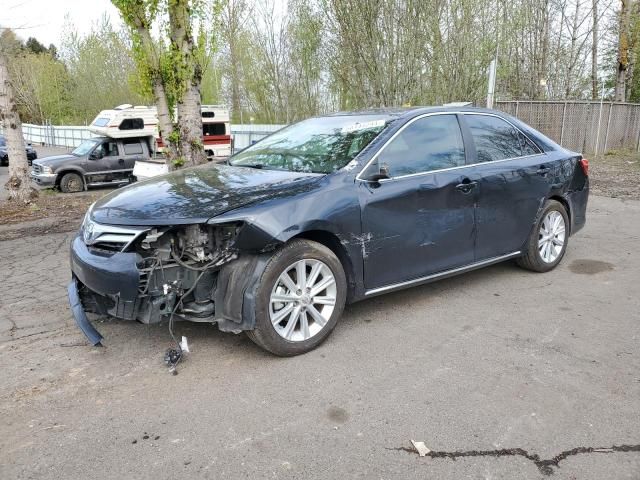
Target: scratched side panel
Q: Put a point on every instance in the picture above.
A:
(416, 226)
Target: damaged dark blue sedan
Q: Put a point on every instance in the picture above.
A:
(326, 212)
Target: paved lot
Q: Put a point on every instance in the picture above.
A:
(502, 368)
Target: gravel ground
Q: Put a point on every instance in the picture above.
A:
(616, 174)
(514, 374)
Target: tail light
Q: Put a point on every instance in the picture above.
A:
(584, 163)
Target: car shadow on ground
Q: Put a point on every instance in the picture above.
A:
(205, 336)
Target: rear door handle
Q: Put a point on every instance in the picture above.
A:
(542, 171)
(121, 161)
(466, 186)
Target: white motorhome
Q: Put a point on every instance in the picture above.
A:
(216, 130)
(126, 121)
(138, 121)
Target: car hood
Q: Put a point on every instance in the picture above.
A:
(56, 160)
(195, 195)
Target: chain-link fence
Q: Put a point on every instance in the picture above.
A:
(587, 127)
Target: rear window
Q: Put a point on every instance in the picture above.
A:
(495, 138)
(132, 147)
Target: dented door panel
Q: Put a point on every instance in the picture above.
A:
(415, 226)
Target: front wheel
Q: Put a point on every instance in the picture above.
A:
(71, 183)
(300, 297)
(548, 241)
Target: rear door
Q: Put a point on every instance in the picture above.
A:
(421, 220)
(513, 181)
(133, 150)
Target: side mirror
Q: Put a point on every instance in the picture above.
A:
(96, 155)
(382, 174)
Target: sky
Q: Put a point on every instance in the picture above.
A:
(45, 19)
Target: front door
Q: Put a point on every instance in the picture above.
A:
(421, 220)
(102, 161)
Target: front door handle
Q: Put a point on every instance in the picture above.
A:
(466, 186)
(121, 161)
(542, 171)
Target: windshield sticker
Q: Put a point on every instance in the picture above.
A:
(363, 126)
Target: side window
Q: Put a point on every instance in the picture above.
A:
(430, 143)
(213, 128)
(131, 124)
(528, 147)
(495, 139)
(132, 147)
(108, 149)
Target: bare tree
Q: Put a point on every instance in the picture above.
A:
(234, 17)
(594, 49)
(18, 184)
(624, 51)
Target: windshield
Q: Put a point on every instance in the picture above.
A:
(317, 145)
(85, 147)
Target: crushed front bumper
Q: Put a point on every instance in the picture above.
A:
(80, 316)
(109, 281)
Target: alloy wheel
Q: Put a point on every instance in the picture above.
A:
(302, 300)
(551, 236)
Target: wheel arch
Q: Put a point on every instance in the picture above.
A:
(332, 242)
(567, 206)
(66, 170)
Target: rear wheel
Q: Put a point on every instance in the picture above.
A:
(71, 183)
(301, 295)
(548, 241)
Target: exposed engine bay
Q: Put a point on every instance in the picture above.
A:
(177, 269)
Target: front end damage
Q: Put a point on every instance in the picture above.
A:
(193, 272)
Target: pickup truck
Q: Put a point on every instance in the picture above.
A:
(96, 161)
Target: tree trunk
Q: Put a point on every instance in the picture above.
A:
(594, 51)
(189, 112)
(165, 125)
(19, 184)
(623, 52)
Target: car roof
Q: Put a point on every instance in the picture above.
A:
(408, 112)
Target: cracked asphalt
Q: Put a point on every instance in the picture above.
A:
(502, 373)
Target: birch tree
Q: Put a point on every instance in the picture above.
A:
(139, 16)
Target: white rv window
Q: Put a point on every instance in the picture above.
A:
(208, 114)
(214, 129)
(131, 124)
(101, 122)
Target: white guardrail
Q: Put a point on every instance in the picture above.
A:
(72, 136)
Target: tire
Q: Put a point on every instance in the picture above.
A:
(276, 336)
(537, 257)
(71, 183)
